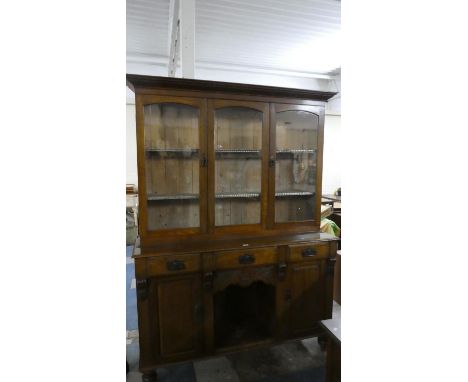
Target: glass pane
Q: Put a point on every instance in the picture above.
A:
(296, 159)
(172, 166)
(238, 166)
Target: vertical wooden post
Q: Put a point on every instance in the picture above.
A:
(187, 38)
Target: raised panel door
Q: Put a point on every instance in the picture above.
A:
(307, 296)
(180, 317)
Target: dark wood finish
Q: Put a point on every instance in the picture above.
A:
(178, 317)
(135, 82)
(301, 252)
(306, 300)
(241, 259)
(312, 224)
(140, 102)
(218, 104)
(188, 278)
(333, 362)
(173, 264)
(337, 279)
(332, 338)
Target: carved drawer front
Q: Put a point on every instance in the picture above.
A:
(301, 252)
(173, 264)
(243, 258)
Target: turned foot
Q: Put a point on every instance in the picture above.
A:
(322, 341)
(149, 376)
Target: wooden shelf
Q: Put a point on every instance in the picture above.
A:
(286, 194)
(152, 198)
(237, 151)
(172, 151)
(240, 195)
(295, 151)
(237, 154)
(229, 195)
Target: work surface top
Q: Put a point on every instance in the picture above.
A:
(174, 247)
(333, 327)
(334, 198)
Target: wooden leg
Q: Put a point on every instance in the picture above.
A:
(322, 341)
(149, 376)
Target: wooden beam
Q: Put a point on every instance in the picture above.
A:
(173, 43)
(187, 38)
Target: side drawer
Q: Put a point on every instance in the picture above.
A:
(312, 251)
(243, 258)
(173, 264)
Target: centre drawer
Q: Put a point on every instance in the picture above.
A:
(173, 264)
(312, 251)
(243, 258)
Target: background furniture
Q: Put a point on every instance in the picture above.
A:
(131, 214)
(333, 366)
(230, 255)
(335, 200)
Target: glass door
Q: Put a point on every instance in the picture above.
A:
(238, 142)
(174, 164)
(296, 139)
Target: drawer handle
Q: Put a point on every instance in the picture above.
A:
(308, 252)
(246, 259)
(175, 265)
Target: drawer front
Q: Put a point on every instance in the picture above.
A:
(244, 258)
(173, 264)
(302, 252)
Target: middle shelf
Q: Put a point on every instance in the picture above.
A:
(188, 152)
(228, 195)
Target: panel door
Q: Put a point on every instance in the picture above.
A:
(171, 165)
(296, 143)
(179, 317)
(237, 170)
(306, 295)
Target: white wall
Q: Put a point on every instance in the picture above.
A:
(331, 178)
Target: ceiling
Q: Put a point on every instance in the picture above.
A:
(293, 37)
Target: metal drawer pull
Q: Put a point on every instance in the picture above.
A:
(175, 265)
(246, 259)
(308, 252)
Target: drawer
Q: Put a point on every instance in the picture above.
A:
(301, 252)
(173, 264)
(244, 258)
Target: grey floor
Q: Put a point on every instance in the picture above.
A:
(297, 361)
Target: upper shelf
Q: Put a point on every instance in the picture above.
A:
(295, 151)
(174, 151)
(236, 151)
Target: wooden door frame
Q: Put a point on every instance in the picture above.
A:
(216, 104)
(307, 225)
(140, 102)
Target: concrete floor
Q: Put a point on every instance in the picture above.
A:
(297, 361)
